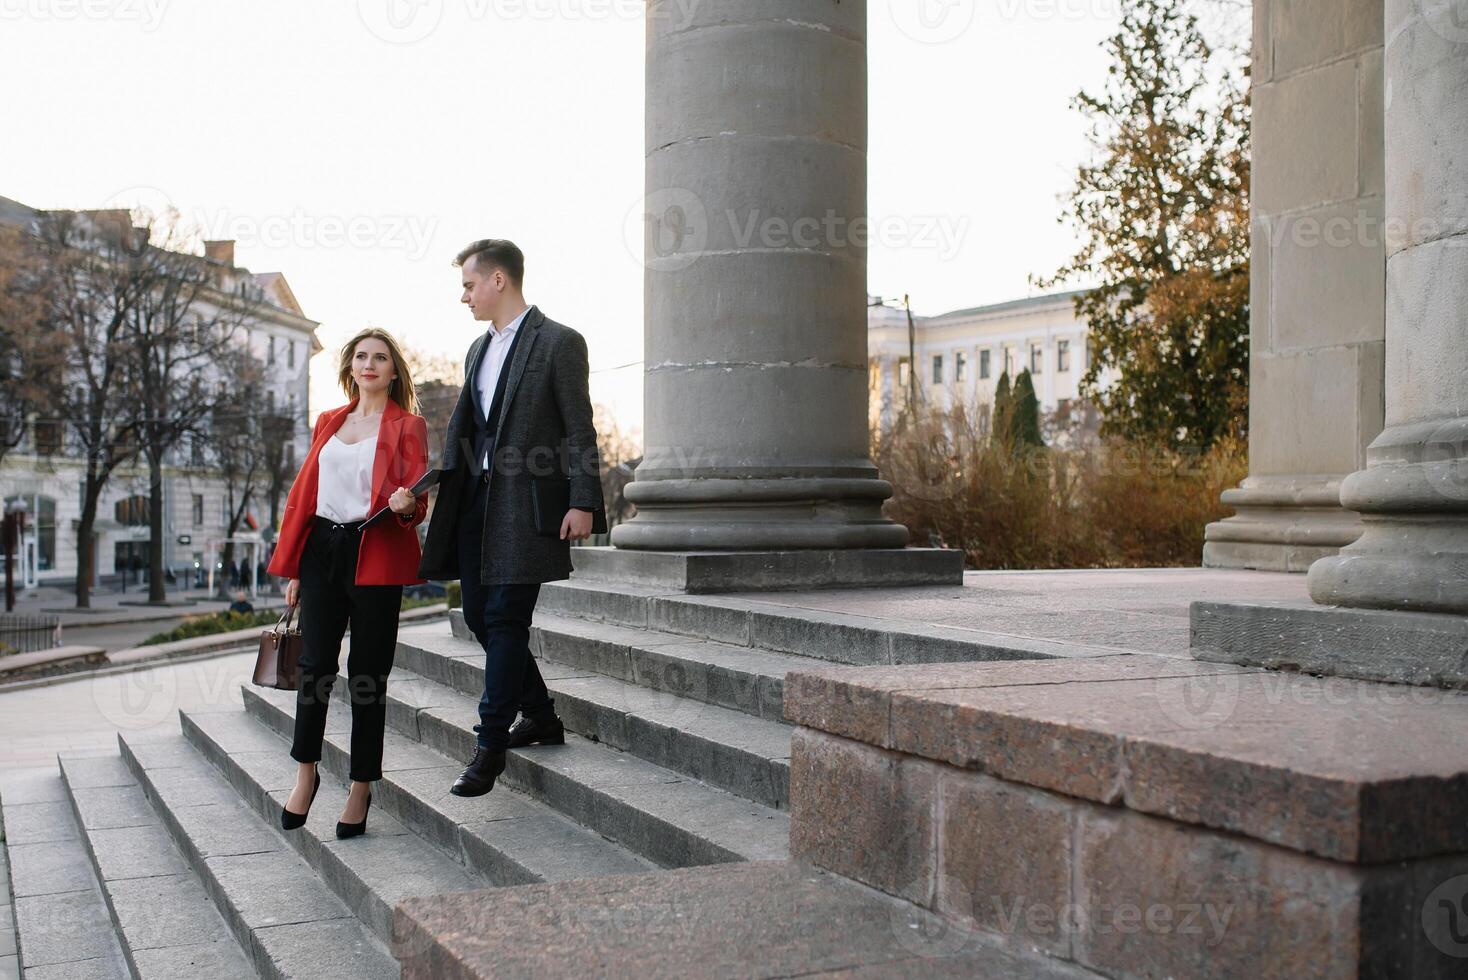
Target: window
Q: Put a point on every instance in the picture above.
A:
(1009, 362)
(196, 451)
(45, 517)
(984, 367)
(960, 366)
(48, 437)
(937, 369)
(270, 403)
(1037, 358)
(198, 510)
(40, 516)
(1062, 356)
(131, 511)
(270, 349)
(904, 372)
(290, 355)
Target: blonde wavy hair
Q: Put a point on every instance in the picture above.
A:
(401, 390)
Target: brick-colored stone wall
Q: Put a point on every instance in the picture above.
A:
(1110, 889)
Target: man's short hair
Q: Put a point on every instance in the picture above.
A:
(499, 253)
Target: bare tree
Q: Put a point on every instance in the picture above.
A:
(437, 383)
(620, 454)
(240, 455)
(88, 290)
(187, 320)
(29, 359)
(278, 439)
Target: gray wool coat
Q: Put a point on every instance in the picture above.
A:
(544, 429)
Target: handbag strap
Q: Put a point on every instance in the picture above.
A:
(284, 621)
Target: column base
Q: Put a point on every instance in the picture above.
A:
(759, 514)
(1413, 550)
(1283, 524)
(1418, 648)
(764, 571)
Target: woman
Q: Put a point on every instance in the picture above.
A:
(363, 457)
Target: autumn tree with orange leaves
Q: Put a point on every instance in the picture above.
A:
(1163, 209)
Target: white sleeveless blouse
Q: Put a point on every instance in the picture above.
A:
(344, 480)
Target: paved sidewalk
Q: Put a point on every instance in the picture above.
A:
(111, 607)
(85, 714)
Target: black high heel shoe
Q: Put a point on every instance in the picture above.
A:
(289, 820)
(345, 830)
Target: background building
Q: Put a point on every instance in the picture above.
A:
(45, 472)
(960, 355)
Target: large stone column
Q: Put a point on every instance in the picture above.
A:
(1413, 494)
(756, 384)
(1317, 303)
(1407, 575)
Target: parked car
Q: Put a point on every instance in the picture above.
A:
(428, 590)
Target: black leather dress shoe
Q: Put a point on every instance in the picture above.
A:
(530, 731)
(479, 777)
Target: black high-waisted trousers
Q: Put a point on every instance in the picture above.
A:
(330, 600)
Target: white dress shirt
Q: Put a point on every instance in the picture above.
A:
(344, 479)
(491, 364)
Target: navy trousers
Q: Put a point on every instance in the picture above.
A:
(499, 616)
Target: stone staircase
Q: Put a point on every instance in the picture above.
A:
(677, 756)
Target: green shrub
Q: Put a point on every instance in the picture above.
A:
(1112, 505)
(220, 622)
(456, 595)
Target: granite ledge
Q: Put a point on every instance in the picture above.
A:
(1348, 770)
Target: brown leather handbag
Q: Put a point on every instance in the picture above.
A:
(278, 663)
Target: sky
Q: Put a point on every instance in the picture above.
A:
(356, 146)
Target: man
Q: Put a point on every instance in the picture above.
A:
(523, 414)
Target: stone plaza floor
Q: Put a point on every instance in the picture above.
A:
(1126, 610)
(1134, 611)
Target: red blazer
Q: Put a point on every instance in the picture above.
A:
(389, 552)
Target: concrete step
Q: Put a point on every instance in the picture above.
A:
(667, 819)
(761, 624)
(730, 676)
(440, 842)
(371, 873)
(272, 900)
(54, 923)
(745, 755)
(167, 926)
(762, 919)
